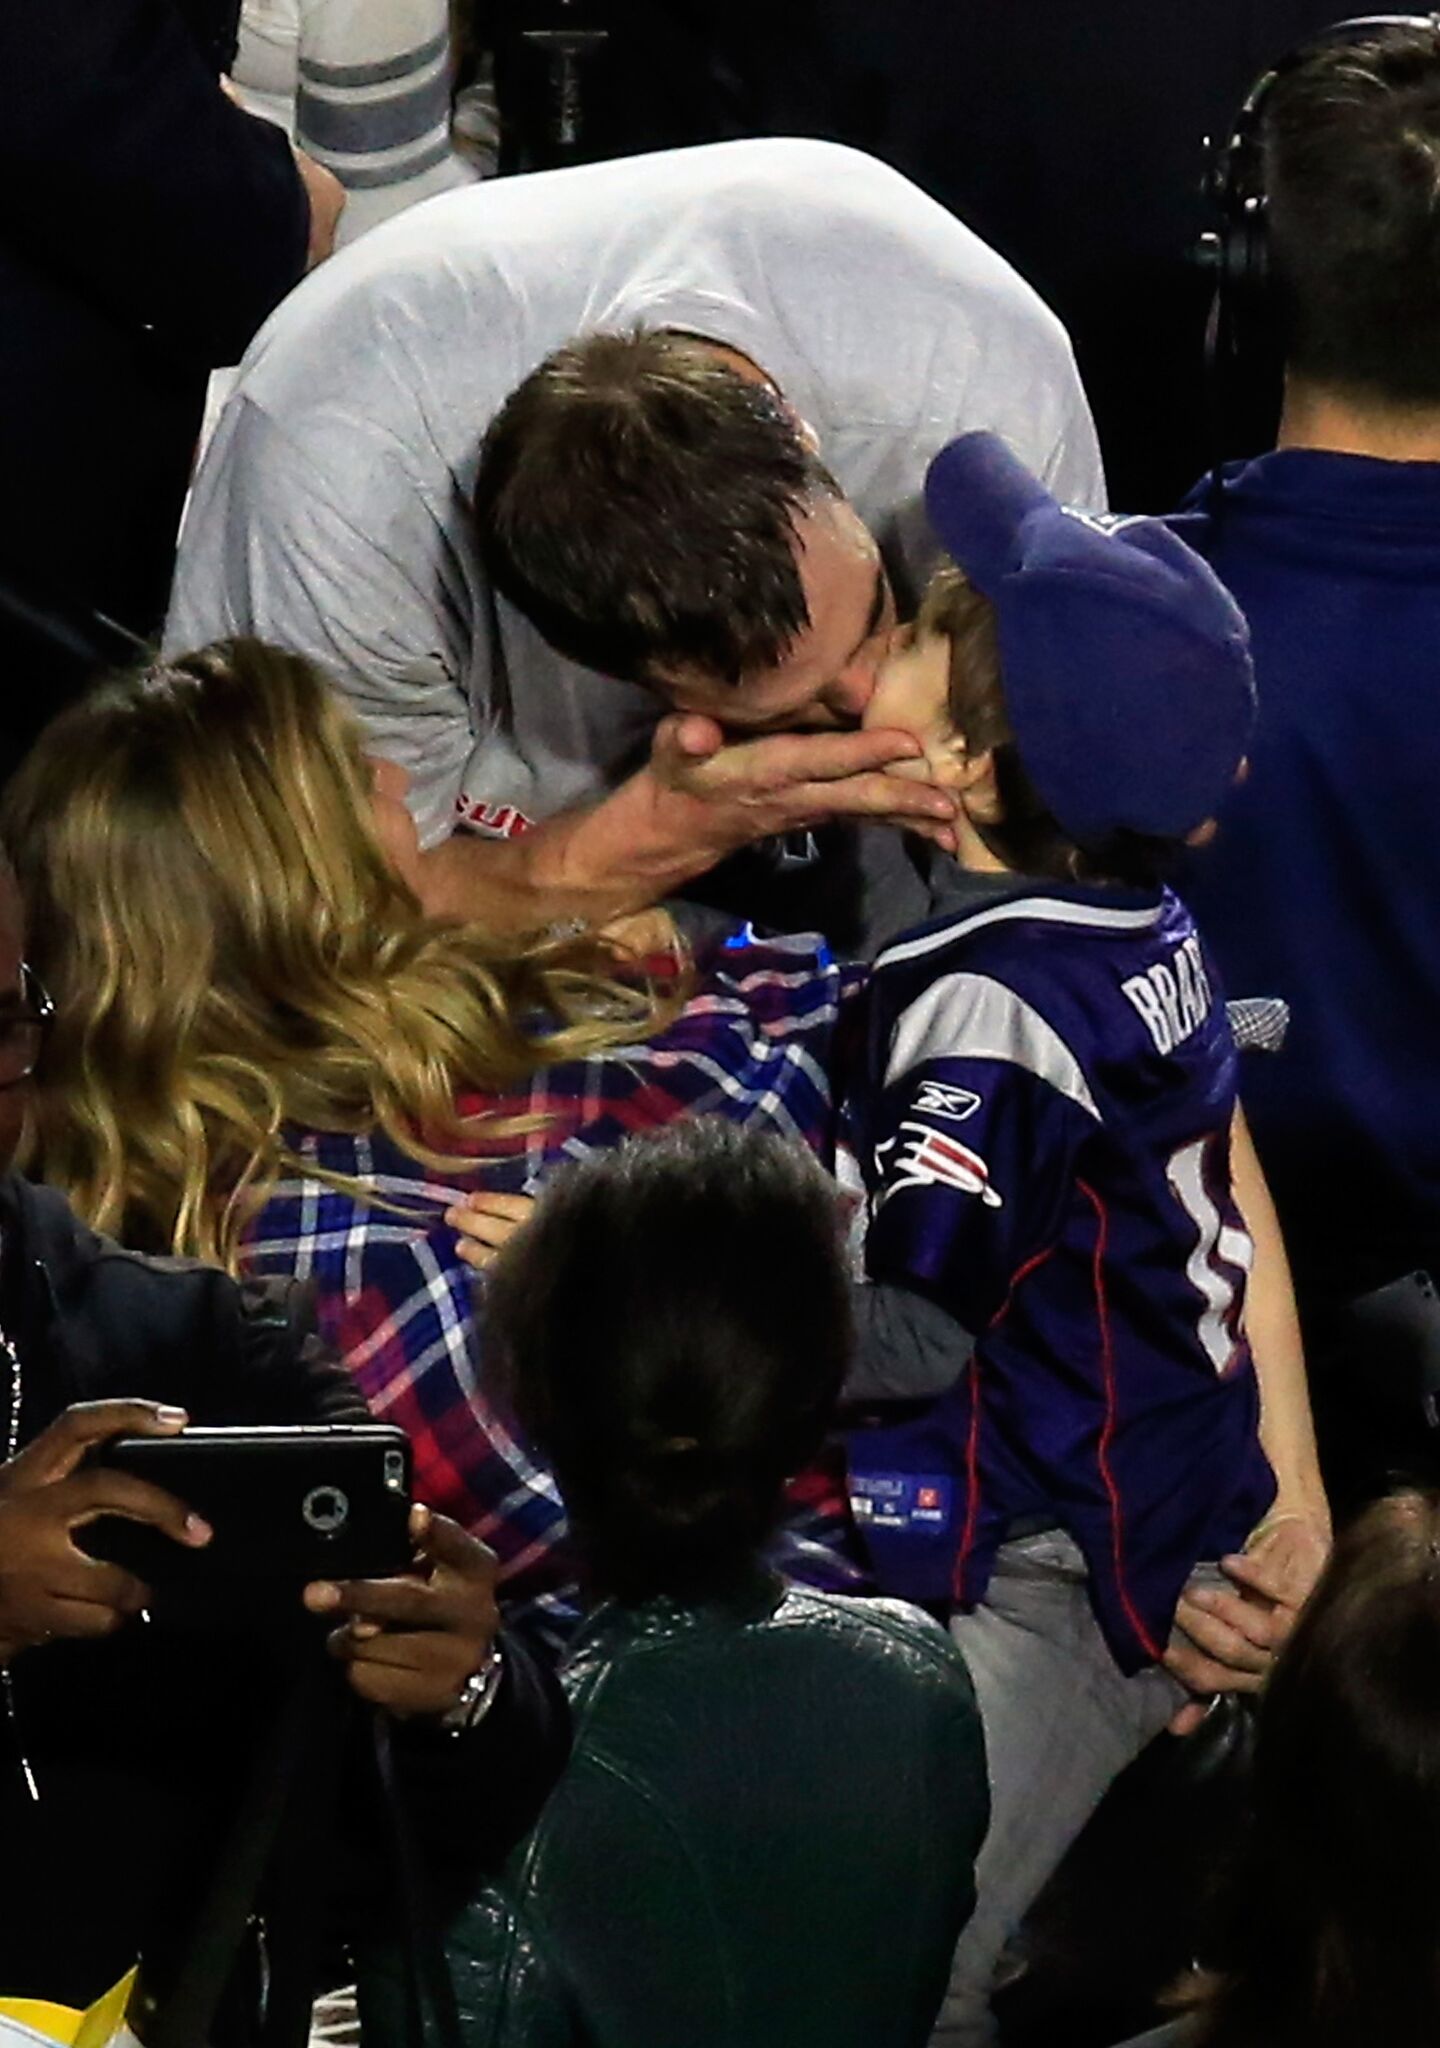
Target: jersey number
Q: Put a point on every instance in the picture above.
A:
(1218, 1246)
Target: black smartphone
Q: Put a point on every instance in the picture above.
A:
(287, 1505)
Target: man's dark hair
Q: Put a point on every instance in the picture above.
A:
(672, 1328)
(1351, 152)
(636, 500)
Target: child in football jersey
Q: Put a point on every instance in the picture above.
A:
(1047, 1128)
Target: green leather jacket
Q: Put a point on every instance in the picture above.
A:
(765, 1837)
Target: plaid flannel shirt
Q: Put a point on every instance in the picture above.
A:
(406, 1313)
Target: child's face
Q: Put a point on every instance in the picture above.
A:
(912, 694)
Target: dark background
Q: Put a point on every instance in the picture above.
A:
(1068, 133)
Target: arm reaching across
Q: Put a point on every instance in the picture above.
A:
(698, 798)
(1230, 1638)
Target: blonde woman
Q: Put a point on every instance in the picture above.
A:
(267, 1055)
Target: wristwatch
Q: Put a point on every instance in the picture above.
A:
(477, 1696)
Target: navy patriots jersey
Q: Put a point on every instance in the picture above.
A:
(1044, 1131)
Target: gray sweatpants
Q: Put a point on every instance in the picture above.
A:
(1061, 1723)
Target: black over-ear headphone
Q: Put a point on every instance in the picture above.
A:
(1237, 248)
(1241, 348)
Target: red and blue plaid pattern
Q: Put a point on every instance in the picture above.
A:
(406, 1313)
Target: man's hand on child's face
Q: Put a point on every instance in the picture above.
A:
(736, 791)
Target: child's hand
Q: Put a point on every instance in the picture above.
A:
(485, 1223)
(1283, 1558)
(1227, 1641)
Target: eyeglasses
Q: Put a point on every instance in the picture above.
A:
(22, 1030)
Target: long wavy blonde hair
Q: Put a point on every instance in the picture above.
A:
(232, 957)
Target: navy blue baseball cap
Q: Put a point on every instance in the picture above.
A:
(1125, 661)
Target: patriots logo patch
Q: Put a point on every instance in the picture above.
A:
(928, 1158)
(944, 1098)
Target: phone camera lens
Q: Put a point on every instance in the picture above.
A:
(326, 1510)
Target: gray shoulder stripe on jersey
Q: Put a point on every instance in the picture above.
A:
(971, 1016)
(1041, 909)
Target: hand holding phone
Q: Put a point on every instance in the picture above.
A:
(413, 1642)
(285, 1505)
(49, 1586)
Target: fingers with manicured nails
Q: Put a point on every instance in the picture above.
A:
(69, 1618)
(60, 1447)
(412, 1643)
(423, 1672)
(459, 1589)
(406, 1603)
(485, 1224)
(92, 1582)
(478, 1256)
(89, 1495)
(506, 1212)
(453, 1547)
(48, 1586)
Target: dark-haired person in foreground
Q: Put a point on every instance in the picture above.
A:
(653, 530)
(767, 1830)
(1327, 1937)
(123, 1748)
(1322, 887)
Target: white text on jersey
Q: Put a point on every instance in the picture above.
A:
(1172, 1000)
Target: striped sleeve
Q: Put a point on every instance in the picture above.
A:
(373, 97)
(969, 1146)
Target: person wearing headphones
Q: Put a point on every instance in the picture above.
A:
(1322, 885)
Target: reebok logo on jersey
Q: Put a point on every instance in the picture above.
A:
(1172, 1000)
(944, 1098)
(929, 1158)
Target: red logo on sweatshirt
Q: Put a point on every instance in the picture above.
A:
(494, 821)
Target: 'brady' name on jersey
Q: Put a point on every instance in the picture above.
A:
(1173, 997)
